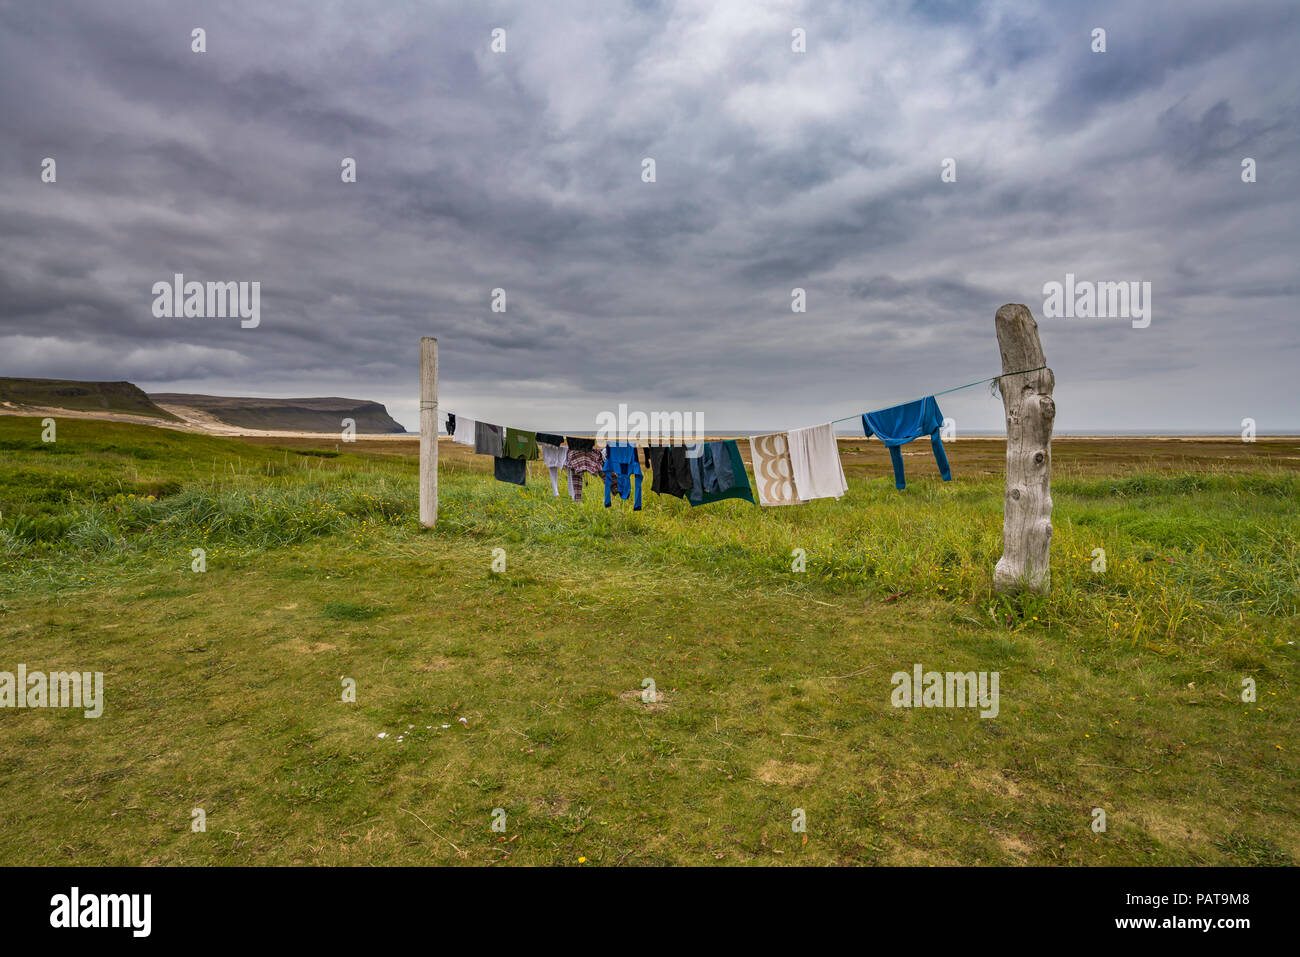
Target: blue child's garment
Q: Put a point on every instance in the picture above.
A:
(902, 424)
(622, 467)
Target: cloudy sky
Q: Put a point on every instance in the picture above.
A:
(774, 169)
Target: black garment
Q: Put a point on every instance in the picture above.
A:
(576, 442)
(654, 454)
(451, 423)
(672, 470)
(550, 438)
(510, 470)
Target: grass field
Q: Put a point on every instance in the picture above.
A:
(522, 691)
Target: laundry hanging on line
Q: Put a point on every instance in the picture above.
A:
(520, 444)
(901, 424)
(793, 467)
(622, 469)
(508, 469)
(815, 462)
(554, 457)
(580, 463)
(489, 439)
(718, 472)
(773, 474)
(670, 468)
(465, 429)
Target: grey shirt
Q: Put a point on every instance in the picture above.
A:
(489, 439)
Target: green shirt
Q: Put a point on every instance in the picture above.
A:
(520, 444)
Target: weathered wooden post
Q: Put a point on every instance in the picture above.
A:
(428, 432)
(1027, 524)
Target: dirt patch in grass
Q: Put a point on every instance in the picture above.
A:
(1014, 846)
(309, 647)
(786, 773)
(994, 782)
(638, 696)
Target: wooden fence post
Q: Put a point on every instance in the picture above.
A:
(428, 432)
(1027, 523)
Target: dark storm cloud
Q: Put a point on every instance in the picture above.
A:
(1193, 142)
(1151, 43)
(775, 170)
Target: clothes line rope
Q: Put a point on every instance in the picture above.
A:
(992, 378)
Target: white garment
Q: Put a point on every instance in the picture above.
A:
(464, 430)
(554, 457)
(815, 462)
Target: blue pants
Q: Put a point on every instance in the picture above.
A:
(940, 456)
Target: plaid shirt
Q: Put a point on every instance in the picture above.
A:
(579, 462)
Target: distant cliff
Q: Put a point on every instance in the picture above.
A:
(287, 415)
(116, 397)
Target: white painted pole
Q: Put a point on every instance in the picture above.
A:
(428, 432)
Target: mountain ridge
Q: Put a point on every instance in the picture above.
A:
(303, 414)
(196, 411)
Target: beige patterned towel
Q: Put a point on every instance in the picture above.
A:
(772, 471)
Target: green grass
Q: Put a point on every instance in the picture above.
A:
(1121, 690)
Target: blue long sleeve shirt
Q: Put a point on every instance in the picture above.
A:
(903, 423)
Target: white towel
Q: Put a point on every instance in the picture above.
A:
(815, 462)
(772, 472)
(464, 430)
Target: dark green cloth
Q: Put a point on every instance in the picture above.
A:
(740, 487)
(520, 444)
(514, 471)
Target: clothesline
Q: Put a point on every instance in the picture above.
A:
(992, 378)
(792, 468)
(855, 415)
